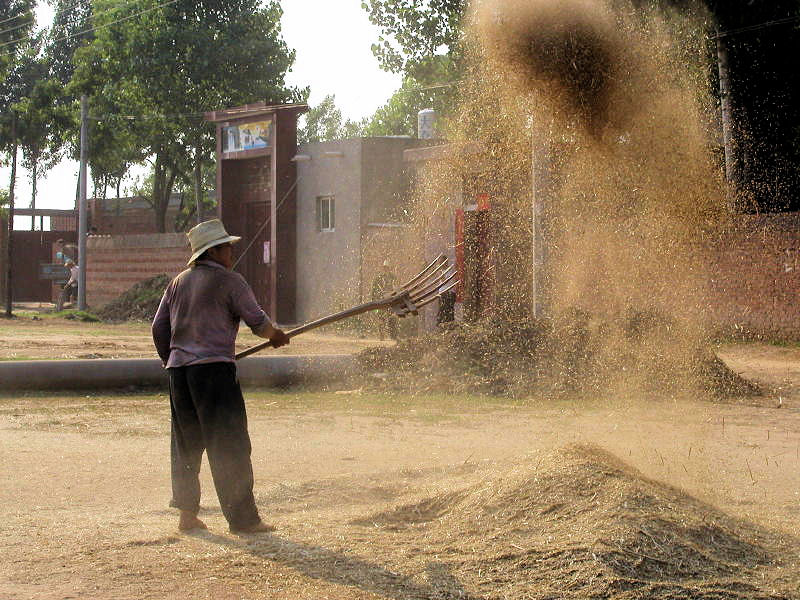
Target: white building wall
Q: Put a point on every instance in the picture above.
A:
(328, 262)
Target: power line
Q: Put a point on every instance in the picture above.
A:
(109, 116)
(428, 87)
(20, 26)
(129, 17)
(750, 28)
(16, 17)
(32, 22)
(112, 116)
(92, 16)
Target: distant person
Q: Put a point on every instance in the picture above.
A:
(61, 252)
(70, 290)
(383, 285)
(194, 331)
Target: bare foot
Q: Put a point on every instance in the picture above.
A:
(189, 521)
(259, 527)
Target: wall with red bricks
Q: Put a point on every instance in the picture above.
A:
(127, 216)
(755, 277)
(117, 262)
(754, 286)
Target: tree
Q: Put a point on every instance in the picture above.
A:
(424, 42)
(765, 96)
(17, 22)
(324, 122)
(32, 98)
(43, 117)
(413, 33)
(399, 115)
(165, 66)
(71, 28)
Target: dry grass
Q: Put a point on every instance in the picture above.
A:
(580, 523)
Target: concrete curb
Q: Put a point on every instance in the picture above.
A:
(148, 372)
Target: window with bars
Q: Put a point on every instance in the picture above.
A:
(326, 213)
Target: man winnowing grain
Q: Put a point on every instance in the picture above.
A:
(194, 331)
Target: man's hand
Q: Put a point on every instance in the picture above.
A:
(278, 339)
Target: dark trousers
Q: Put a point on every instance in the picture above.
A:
(208, 413)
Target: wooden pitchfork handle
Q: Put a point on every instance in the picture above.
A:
(345, 314)
(433, 281)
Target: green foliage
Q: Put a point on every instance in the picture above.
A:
(324, 122)
(422, 41)
(165, 68)
(18, 20)
(399, 115)
(37, 117)
(78, 315)
(412, 32)
(43, 118)
(70, 29)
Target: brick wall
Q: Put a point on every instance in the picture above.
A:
(755, 286)
(128, 216)
(117, 262)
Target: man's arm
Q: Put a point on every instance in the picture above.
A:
(162, 329)
(246, 307)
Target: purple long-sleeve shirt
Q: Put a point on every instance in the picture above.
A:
(198, 318)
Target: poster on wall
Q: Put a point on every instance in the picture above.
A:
(267, 256)
(246, 136)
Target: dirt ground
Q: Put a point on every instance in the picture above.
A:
(360, 487)
(54, 339)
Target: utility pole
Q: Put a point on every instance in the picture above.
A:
(541, 163)
(731, 171)
(10, 230)
(82, 217)
(198, 181)
(33, 194)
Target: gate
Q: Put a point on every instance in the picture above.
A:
(31, 250)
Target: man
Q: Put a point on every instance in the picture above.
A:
(383, 285)
(70, 290)
(194, 331)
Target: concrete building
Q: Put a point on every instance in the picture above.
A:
(350, 197)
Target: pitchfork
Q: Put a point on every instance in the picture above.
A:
(433, 281)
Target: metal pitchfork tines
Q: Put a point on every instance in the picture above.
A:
(432, 282)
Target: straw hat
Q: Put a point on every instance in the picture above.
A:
(207, 235)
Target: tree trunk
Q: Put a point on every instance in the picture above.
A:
(158, 195)
(163, 182)
(35, 176)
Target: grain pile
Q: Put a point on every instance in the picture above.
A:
(580, 523)
(137, 304)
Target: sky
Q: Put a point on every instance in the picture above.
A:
(332, 40)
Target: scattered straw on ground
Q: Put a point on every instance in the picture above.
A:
(570, 355)
(580, 523)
